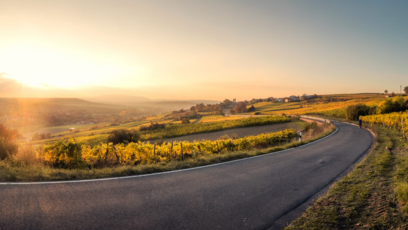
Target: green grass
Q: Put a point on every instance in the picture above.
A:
(11, 170)
(373, 195)
(213, 118)
(89, 134)
(266, 107)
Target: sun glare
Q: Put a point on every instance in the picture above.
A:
(40, 67)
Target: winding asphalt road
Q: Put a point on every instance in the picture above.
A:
(245, 194)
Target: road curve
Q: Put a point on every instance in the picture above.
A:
(246, 194)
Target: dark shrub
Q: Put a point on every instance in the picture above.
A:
(8, 147)
(152, 126)
(353, 112)
(309, 126)
(159, 141)
(297, 117)
(251, 109)
(185, 121)
(313, 125)
(241, 107)
(123, 136)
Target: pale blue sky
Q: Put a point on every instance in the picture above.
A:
(207, 49)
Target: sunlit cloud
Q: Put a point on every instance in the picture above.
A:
(41, 67)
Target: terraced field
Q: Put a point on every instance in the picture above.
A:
(240, 132)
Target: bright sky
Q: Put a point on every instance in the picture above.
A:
(204, 49)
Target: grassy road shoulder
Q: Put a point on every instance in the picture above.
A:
(372, 196)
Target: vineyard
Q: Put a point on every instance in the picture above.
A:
(69, 154)
(397, 120)
(176, 130)
(332, 108)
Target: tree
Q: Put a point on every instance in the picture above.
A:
(241, 107)
(404, 105)
(387, 106)
(406, 89)
(8, 147)
(385, 91)
(227, 103)
(185, 121)
(232, 111)
(36, 137)
(392, 94)
(251, 109)
(123, 136)
(353, 112)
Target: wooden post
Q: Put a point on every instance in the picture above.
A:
(154, 150)
(231, 145)
(117, 156)
(383, 123)
(106, 154)
(171, 150)
(181, 151)
(403, 131)
(76, 146)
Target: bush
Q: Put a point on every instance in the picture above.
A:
(308, 126)
(353, 112)
(402, 193)
(224, 137)
(152, 126)
(241, 108)
(27, 155)
(8, 147)
(123, 136)
(251, 109)
(185, 121)
(387, 106)
(219, 112)
(41, 136)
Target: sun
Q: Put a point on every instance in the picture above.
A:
(40, 66)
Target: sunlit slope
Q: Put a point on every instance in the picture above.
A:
(36, 105)
(332, 104)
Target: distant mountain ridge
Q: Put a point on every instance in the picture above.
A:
(128, 100)
(118, 99)
(55, 105)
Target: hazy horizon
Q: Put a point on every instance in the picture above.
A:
(210, 50)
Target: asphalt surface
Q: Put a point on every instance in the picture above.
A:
(246, 194)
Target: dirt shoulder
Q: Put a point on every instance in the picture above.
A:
(319, 123)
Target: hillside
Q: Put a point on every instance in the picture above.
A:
(176, 105)
(45, 105)
(118, 99)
